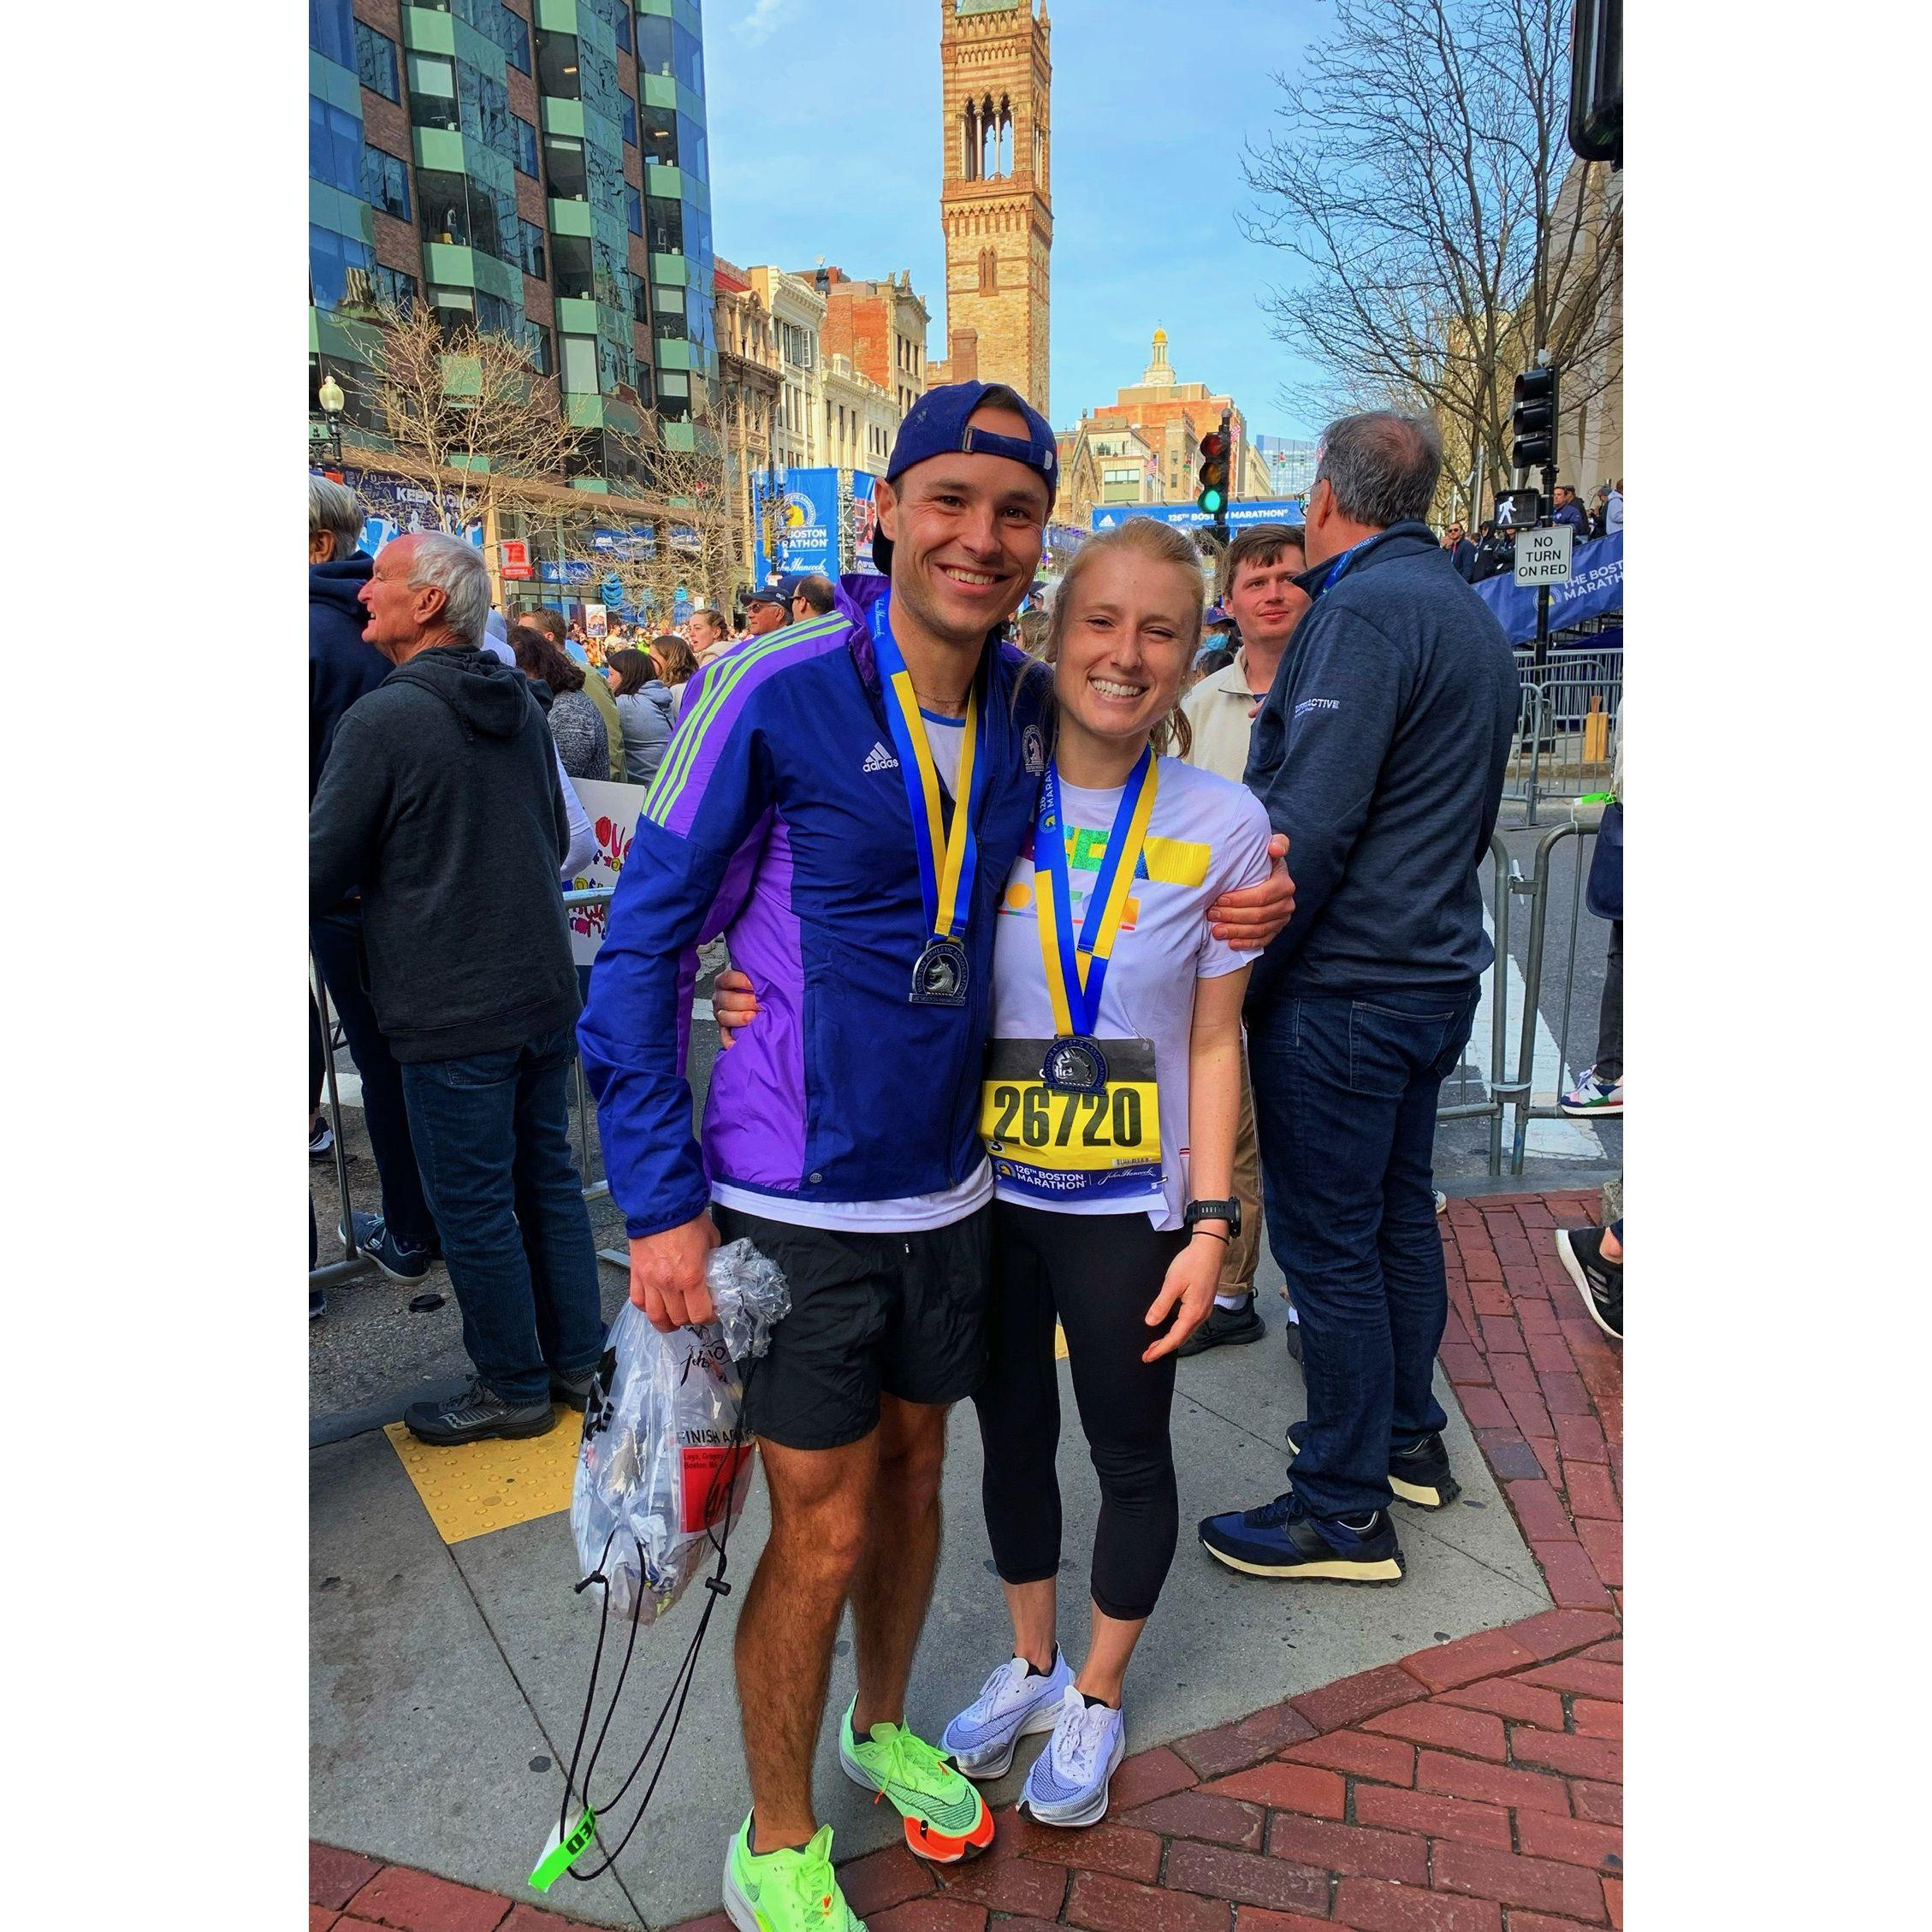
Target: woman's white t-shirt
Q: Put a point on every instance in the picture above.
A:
(1206, 837)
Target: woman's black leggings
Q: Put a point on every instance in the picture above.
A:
(1098, 1273)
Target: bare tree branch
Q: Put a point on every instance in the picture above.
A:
(1439, 230)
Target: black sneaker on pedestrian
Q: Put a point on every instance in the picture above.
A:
(406, 1264)
(1224, 1328)
(322, 1138)
(478, 1414)
(1600, 1283)
(1281, 1539)
(1419, 1475)
(573, 1391)
(1295, 1340)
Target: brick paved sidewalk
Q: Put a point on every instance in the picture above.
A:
(1477, 1787)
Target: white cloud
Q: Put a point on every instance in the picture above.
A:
(764, 20)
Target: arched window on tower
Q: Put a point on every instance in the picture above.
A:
(989, 141)
(1005, 139)
(970, 144)
(989, 272)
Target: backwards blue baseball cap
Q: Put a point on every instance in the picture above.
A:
(939, 423)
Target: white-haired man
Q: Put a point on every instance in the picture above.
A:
(440, 801)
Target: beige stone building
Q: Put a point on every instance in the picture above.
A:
(797, 313)
(1102, 465)
(748, 393)
(857, 419)
(879, 327)
(1169, 418)
(995, 199)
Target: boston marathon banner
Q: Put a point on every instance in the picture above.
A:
(808, 537)
(1185, 516)
(1594, 587)
(865, 520)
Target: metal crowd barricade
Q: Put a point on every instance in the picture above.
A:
(1507, 882)
(1566, 730)
(1523, 1101)
(354, 1262)
(593, 1190)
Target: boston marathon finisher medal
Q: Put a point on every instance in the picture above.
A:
(1075, 972)
(948, 856)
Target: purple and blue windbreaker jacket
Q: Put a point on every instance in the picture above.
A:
(766, 825)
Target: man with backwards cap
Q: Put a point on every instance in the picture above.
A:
(806, 809)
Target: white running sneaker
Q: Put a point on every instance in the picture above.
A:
(1012, 1704)
(1068, 1783)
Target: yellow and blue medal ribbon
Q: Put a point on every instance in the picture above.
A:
(1077, 972)
(948, 856)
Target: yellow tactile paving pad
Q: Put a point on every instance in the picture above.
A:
(486, 1486)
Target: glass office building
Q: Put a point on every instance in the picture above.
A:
(536, 168)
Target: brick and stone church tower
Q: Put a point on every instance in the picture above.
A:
(995, 198)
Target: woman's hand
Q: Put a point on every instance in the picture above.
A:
(1192, 1278)
(732, 1004)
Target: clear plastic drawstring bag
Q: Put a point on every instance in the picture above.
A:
(664, 1469)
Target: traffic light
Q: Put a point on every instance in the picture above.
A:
(1597, 81)
(1212, 482)
(1532, 420)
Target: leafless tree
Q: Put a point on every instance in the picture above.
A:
(1443, 233)
(467, 417)
(692, 541)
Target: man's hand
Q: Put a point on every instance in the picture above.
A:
(668, 1273)
(1251, 917)
(732, 1004)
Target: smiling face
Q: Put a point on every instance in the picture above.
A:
(399, 614)
(966, 530)
(1129, 629)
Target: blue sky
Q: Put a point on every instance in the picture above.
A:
(825, 141)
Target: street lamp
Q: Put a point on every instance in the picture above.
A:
(333, 401)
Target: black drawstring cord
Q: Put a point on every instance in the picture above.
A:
(716, 1589)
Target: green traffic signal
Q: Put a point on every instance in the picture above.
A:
(1212, 501)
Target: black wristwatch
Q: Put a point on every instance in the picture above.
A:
(1228, 1211)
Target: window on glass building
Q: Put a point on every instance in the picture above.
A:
(563, 162)
(335, 147)
(559, 71)
(666, 225)
(385, 182)
(375, 62)
(432, 92)
(526, 155)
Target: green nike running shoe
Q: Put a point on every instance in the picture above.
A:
(786, 1891)
(946, 1817)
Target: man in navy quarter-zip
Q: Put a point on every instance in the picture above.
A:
(1380, 752)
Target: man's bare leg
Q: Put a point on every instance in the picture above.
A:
(820, 1503)
(894, 1582)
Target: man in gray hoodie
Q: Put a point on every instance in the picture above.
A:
(440, 801)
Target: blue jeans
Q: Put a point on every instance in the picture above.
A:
(492, 1137)
(1345, 1109)
(337, 943)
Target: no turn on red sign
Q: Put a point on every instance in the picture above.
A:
(1543, 555)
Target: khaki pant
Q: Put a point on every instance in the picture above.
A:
(1244, 1251)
